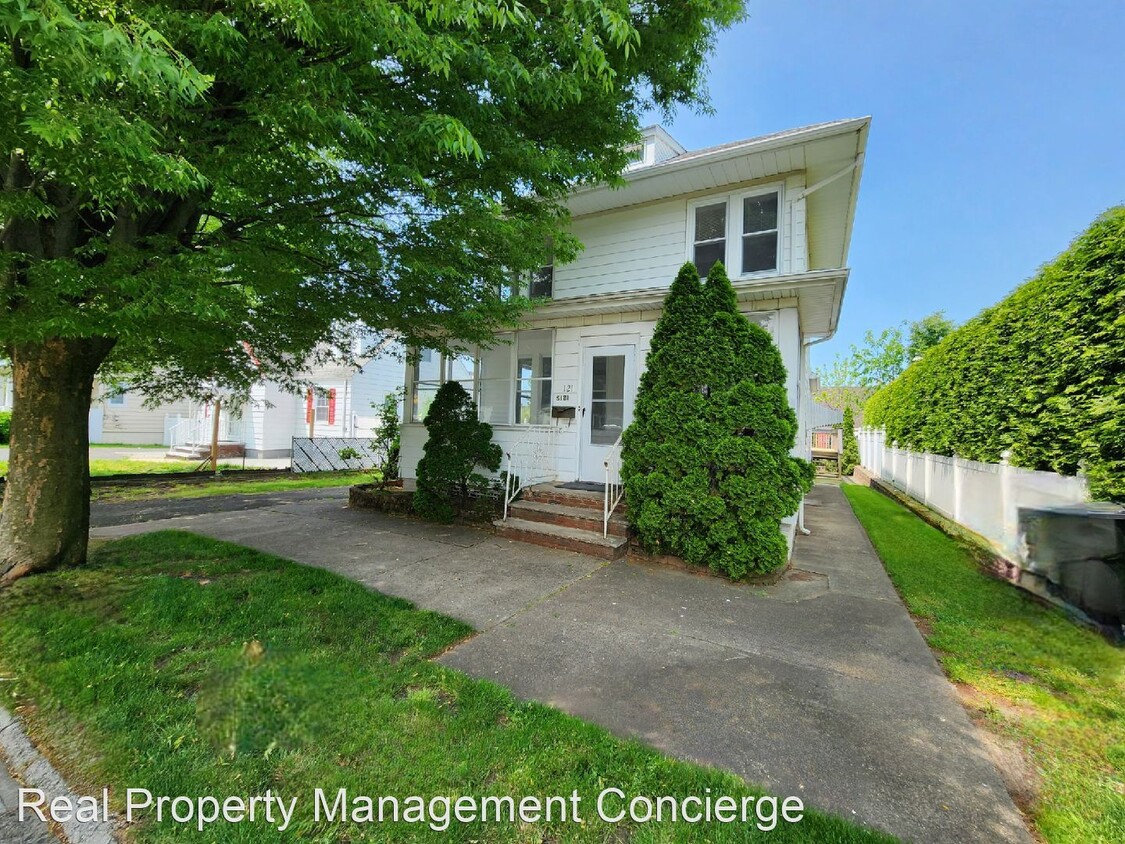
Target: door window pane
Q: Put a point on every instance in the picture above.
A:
(607, 411)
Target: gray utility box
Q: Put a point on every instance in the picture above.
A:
(1079, 550)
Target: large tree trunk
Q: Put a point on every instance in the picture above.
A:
(46, 517)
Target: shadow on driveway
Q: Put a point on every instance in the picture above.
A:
(818, 686)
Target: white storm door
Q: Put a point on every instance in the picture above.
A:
(608, 390)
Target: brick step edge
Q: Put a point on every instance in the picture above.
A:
(563, 538)
(579, 518)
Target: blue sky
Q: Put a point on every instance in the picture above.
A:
(998, 134)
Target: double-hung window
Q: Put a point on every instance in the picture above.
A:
(759, 233)
(542, 282)
(740, 230)
(710, 235)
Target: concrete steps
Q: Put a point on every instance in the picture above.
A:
(201, 451)
(567, 519)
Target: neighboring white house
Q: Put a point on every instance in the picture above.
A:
(339, 406)
(777, 210)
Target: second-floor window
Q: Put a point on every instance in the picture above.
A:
(542, 282)
(741, 230)
(759, 233)
(710, 235)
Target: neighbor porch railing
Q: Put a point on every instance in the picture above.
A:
(530, 461)
(196, 430)
(613, 486)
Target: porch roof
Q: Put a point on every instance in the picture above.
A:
(816, 295)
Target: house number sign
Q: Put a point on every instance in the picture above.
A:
(563, 395)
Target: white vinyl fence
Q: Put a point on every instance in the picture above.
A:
(984, 497)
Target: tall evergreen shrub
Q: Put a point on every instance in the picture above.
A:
(849, 446)
(706, 463)
(457, 445)
(1040, 374)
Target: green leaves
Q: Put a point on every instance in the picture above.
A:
(457, 444)
(1041, 374)
(706, 463)
(188, 179)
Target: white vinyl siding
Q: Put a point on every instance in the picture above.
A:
(632, 249)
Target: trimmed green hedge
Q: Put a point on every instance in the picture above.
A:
(1040, 374)
(5, 426)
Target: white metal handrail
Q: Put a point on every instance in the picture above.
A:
(196, 430)
(530, 461)
(614, 490)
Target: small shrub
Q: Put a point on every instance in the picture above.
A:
(386, 439)
(849, 456)
(457, 444)
(348, 454)
(706, 464)
(5, 426)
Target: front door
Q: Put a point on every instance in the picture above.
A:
(608, 388)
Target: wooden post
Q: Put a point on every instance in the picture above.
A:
(215, 437)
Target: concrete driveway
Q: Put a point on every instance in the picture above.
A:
(818, 686)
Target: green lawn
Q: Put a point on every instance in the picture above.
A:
(220, 486)
(128, 445)
(1030, 674)
(137, 467)
(189, 667)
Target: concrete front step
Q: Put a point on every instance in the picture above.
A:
(582, 518)
(565, 538)
(227, 449)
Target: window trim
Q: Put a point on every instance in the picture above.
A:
(117, 400)
(733, 246)
(319, 394)
(512, 377)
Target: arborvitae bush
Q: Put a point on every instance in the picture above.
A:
(849, 446)
(1040, 374)
(706, 464)
(457, 445)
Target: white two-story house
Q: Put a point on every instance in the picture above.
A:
(777, 210)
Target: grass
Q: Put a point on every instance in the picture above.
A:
(219, 486)
(1031, 676)
(188, 666)
(136, 467)
(128, 445)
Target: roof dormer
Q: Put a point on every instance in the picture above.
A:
(655, 147)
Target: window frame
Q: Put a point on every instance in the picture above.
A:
(732, 248)
(541, 385)
(117, 400)
(319, 394)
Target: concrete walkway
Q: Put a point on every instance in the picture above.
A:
(819, 686)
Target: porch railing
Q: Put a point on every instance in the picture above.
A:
(530, 461)
(614, 490)
(196, 430)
